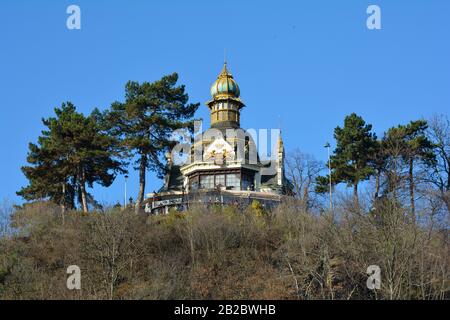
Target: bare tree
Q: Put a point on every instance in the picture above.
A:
(395, 174)
(225, 253)
(110, 244)
(6, 208)
(439, 133)
(302, 170)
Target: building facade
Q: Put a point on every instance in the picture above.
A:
(223, 165)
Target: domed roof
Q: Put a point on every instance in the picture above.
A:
(225, 86)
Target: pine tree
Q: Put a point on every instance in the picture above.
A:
(378, 162)
(47, 176)
(413, 146)
(351, 160)
(73, 153)
(146, 120)
(420, 149)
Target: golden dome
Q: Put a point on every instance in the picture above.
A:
(225, 86)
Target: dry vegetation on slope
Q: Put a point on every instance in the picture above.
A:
(222, 253)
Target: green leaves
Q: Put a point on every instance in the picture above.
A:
(147, 118)
(409, 143)
(73, 151)
(351, 161)
(359, 155)
(145, 121)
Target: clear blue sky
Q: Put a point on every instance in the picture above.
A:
(308, 62)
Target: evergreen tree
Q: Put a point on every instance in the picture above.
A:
(47, 175)
(413, 146)
(351, 160)
(378, 162)
(74, 152)
(419, 148)
(146, 120)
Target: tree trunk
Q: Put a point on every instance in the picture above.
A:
(411, 185)
(63, 203)
(394, 179)
(306, 196)
(377, 184)
(83, 191)
(446, 192)
(448, 177)
(446, 199)
(142, 171)
(355, 195)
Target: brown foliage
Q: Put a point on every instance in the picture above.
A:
(220, 253)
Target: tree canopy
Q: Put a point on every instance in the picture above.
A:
(351, 160)
(72, 152)
(145, 121)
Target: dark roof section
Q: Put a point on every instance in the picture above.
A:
(173, 181)
(269, 180)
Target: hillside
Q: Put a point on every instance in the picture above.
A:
(224, 253)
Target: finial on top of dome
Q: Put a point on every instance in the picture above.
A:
(225, 71)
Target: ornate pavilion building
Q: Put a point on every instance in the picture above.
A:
(224, 166)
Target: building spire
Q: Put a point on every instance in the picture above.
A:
(224, 72)
(225, 104)
(280, 142)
